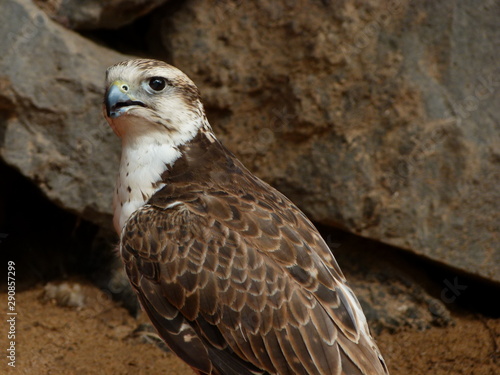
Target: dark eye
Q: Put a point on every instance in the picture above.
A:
(157, 83)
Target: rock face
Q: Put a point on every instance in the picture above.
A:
(51, 125)
(96, 14)
(377, 118)
(374, 117)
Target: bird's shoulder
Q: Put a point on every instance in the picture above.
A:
(229, 206)
(230, 235)
(224, 249)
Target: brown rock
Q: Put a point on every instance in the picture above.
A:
(95, 14)
(378, 118)
(51, 125)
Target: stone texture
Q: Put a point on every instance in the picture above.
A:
(51, 125)
(96, 14)
(375, 117)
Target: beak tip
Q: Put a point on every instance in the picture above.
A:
(112, 98)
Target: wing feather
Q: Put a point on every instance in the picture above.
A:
(273, 348)
(230, 278)
(173, 327)
(325, 356)
(295, 336)
(259, 349)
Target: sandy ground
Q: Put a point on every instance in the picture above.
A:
(99, 338)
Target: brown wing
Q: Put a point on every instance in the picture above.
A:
(237, 282)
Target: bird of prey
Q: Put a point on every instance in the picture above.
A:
(234, 277)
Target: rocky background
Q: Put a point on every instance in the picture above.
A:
(379, 119)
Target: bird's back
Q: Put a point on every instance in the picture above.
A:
(237, 280)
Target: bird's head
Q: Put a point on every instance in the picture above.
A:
(151, 97)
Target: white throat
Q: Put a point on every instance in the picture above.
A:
(145, 156)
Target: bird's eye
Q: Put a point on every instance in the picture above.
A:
(157, 83)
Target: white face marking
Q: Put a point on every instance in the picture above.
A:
(150, 133)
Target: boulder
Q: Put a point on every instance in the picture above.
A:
(51, 124)
(377, 118)
(95, 14)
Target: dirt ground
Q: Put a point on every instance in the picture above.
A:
(98, 338)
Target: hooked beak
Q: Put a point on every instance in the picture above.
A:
(118, 101)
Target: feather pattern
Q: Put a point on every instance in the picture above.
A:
(233, 275)
(253, 269)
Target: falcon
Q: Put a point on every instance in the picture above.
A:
(233, 276)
